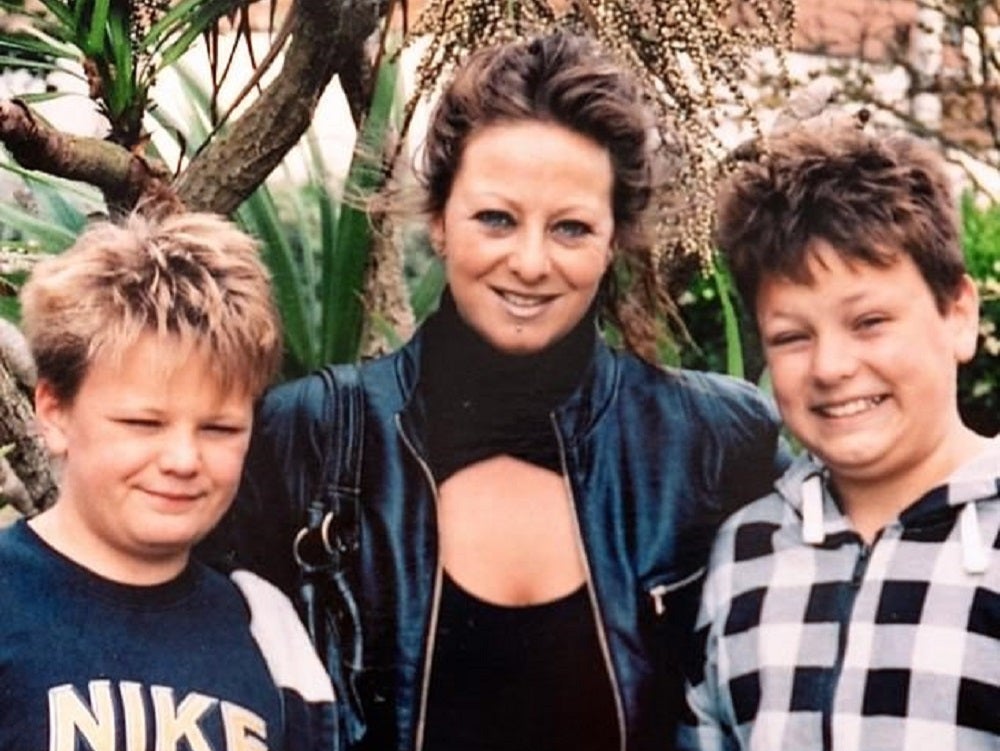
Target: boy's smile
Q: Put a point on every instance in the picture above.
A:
(864, 367)
(851, 407)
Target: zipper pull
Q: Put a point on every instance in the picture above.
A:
(658, 593)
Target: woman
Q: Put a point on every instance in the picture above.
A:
(535, 506)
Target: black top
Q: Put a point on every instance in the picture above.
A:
(482, 402)
(526, 678)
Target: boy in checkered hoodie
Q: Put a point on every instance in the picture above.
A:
(858, 605)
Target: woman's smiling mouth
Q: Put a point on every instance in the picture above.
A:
(524, 303)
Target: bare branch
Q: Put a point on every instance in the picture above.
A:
(327, 36)
(123, 177)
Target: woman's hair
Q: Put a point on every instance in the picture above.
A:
(870, 197)
(192, 276)
(563, 79)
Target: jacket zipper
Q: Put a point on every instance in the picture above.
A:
(659, 592)
(425, 680)
(602, 637)
(857, 579)
(436, 596)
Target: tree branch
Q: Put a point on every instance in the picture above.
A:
(327, 36)
(123, 177)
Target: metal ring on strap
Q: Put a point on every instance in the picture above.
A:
(324, 532)
(295, 548)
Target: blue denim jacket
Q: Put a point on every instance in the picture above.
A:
(654, 459)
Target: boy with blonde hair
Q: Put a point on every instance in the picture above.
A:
(153, 340)
(858, 605)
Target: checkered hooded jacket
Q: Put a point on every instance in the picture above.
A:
(810, 639)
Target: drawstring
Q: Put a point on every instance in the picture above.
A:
(812, 510)
(975, 557)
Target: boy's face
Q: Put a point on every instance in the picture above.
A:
(152, 451)
(864, 364)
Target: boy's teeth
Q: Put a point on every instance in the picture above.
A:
(853, 407)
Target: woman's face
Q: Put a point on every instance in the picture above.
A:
(526, 232)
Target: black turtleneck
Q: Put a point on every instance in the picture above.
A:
(481, 402)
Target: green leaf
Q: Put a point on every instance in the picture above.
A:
(52, 204)
(344, 262)
(86, 193)
(179, 15)
(386, 331)
(734, 345)
(94, 39)
(62, 12)
(259, 216)
(10, 309)
(20, 62)
(51, 237)
(426, 293)
(194, 27)
(33, 45)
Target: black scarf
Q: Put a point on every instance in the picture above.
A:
(481, 402)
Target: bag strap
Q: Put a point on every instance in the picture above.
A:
(328, 544)
(330, 536)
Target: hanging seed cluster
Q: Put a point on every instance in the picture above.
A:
(691, 56)
(145, 13)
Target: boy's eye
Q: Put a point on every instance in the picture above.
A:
(572, 228)
(785, 338)
(495, 219)
(871, 321)
(224, 429)
(145, 423)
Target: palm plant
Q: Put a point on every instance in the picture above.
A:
(120, 46)
(315, 242)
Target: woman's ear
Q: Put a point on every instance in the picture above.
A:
(50, 415)
(963, 313)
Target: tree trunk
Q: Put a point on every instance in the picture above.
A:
(31, 487)
(327, 36)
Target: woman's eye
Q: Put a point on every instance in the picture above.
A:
(495, 219)
(572, 228)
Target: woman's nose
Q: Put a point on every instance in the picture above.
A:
(529, 259)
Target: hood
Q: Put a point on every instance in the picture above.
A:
(805, 488)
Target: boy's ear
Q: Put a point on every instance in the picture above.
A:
(50, 414)
(964, 317)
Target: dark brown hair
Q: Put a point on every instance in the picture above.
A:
(563, 79)
(870, 197)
